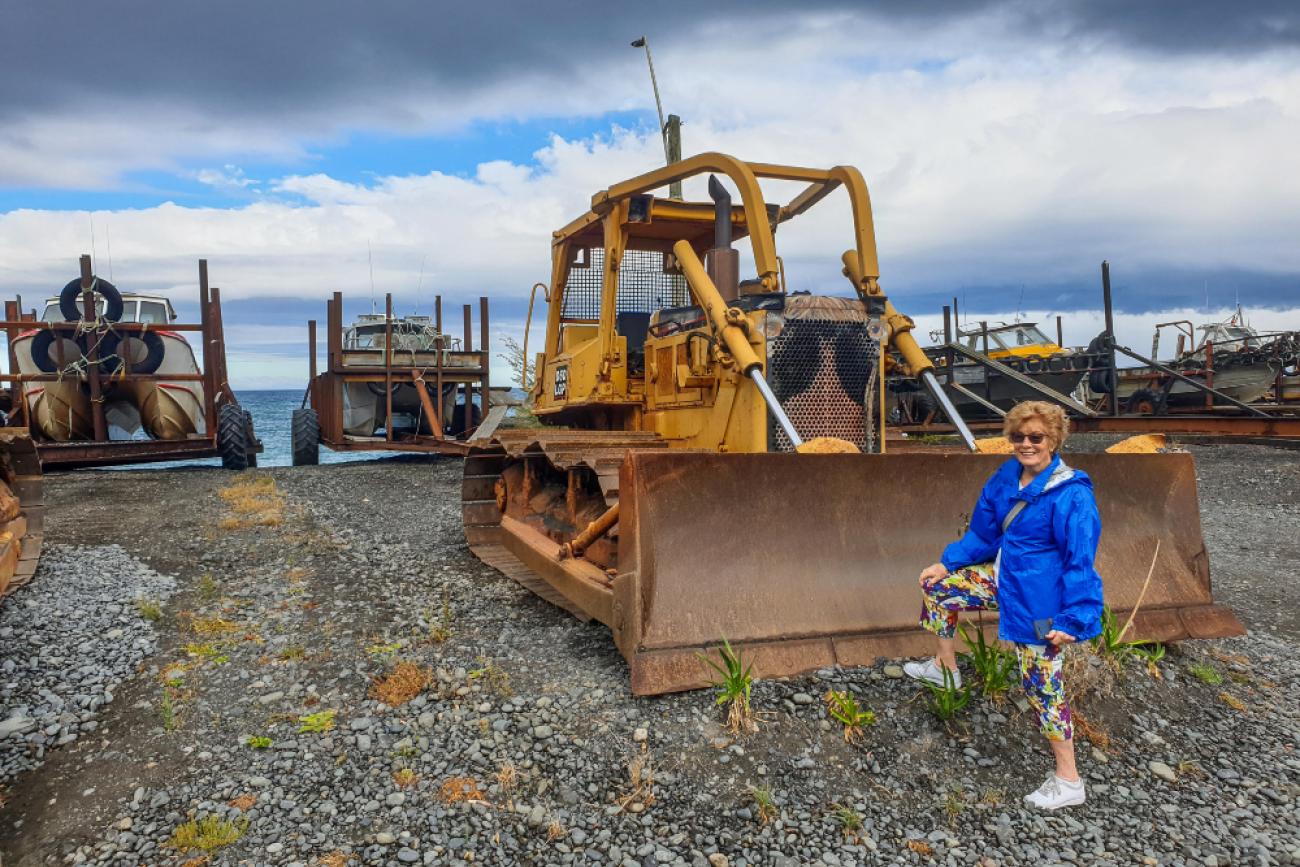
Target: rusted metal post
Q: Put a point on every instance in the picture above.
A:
(486, 397)
(219, 347)
(469, 385)
(311, 351)
(388, 367)
(440, 346)
(1060, 333)
(92, 353)
(1110, 337)
(209, 381)
(334, 333)
(13, 313)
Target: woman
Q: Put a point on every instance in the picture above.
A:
(1028, 555)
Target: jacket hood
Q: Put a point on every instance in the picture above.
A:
(1057, 475)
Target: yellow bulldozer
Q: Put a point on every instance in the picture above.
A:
(670, 493)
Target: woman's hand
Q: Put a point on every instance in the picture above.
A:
(932, 574)
(1059, 638)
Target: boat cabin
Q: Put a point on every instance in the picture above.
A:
(410, 334)
(152, 309)
(1018, 338)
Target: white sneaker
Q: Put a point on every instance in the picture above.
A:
(931, 671)
(1056, 793)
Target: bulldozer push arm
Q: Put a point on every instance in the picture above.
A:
(621, 507)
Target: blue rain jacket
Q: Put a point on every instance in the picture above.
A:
(1046, 569)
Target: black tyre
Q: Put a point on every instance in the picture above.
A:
(1144, 401)
(458, 418)
(1056, 363)
(43, 351)
(250, 437)
(305, 432)
(154, 348)
(232, 437)
(1102, 379)
(70, 300)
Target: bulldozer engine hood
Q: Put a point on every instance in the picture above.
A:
(1046, 557)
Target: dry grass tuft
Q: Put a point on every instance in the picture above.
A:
(641, 780)
(206, 835)
(456, 789)
(254, 501)
(405, 778)
(333, 859)
(1233, 702)
(1085, 681)
(402, 684)
(920, 847)
(212, 626)
(1093, 733)
(243, 802)
(555, 830)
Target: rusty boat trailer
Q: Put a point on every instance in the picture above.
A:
(324, 393)
(101, 451)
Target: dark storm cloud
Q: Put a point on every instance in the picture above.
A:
(295, 57)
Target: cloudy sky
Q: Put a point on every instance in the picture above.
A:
(1009, 146)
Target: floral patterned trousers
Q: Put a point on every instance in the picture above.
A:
(974, 588)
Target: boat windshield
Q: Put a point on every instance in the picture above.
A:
(153, 312)
(53, 314)
(1026, 335)
(976, 341)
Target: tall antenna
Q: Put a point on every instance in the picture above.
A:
(108, 239)
(420, 285)
(371, 257)
(93, 253)
(1207, 296)
(1021, 303)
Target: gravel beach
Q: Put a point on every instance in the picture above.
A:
(170, 671)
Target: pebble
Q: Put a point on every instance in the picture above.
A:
(1163, 771)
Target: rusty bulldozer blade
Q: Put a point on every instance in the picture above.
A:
(804, 563)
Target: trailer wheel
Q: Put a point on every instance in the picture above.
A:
(250, 438)
(1144, 401)
(232, 437)
(305, 432)
(70, 300)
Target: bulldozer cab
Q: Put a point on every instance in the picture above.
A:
(629, 348)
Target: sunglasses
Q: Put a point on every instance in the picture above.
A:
(1035, 438)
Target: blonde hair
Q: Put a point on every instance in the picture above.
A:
(1051, 415)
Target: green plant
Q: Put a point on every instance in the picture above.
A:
(292, 652)
(996, 667)
(946, 701)
(206, 834)
(733, 684)
(764, 804)
(259, 742)
(167, 711)
(316, 723)
(440, 626)
(1205, 673)
(387, 650)
(209, 588)
(1153, 652)
(849, 820)
(149, 609)
(954, 804)
(843, 706)
(1110, 642)
(495, 676)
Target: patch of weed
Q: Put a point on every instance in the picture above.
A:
(259, 742)
(765, 808)
(996, 667)
(440, 627)
(149, 609)
(1205, 673)
(209, 626)
(921, 848)
(850, 821)
(253, 501)
(292, 653)
(206, 834)
(405, 778)
(494, 675)
(243, 802)
(316, 723)
(209, 588)
(167, 710)
(843, 706)
(555, 830)
(733, 684)
(641, 780)
(1233, 702)
(946, 701)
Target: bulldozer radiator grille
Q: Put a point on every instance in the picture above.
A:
(643, 286)
(819, 371)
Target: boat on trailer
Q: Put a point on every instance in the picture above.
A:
(161, 408)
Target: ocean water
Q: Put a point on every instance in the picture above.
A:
(272, 417)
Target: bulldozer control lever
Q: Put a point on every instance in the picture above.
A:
(727, 326)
